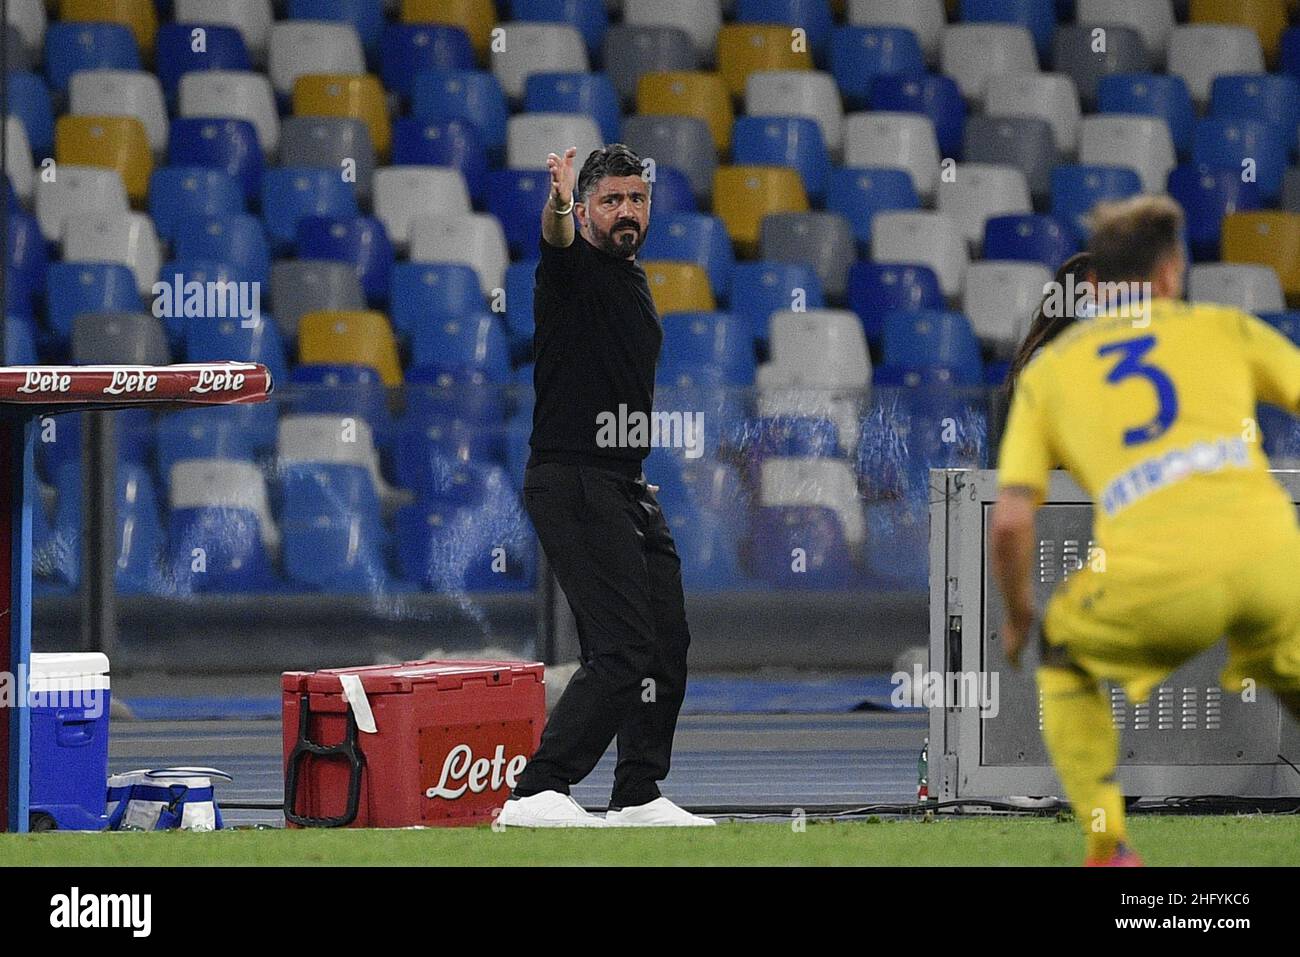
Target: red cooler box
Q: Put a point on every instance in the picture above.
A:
(449, 740)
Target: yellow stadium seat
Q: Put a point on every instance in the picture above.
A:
(139, 16)
(678, 287)
(746, 47)
(115, 142)
(1271, 238)
(689, 93)
(743, 195)
(475, 17)
(1268, 18)
(360, 97)
(333, 337)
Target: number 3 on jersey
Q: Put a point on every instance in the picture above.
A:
(1130, 364)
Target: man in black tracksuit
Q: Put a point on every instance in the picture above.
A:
(596, 343)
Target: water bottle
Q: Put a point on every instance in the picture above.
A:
(923, 773)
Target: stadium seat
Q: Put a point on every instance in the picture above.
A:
(814, 531)
(77, 191)
(812, 16)
(401, 193)
(819, 482)
(1151, 94)
(312, 47)
(824, 240)
(972, 52)
(712, 338)
(424, 292)
(26, 19)
(859, 55)
(702, 96)
(138, 16)
(122, 93)
(1036, 16)
(798, 93)
(289, 193)
(588, 17)
(1287, 323)
(1267, 18)
(458, 391)
(332, 530)
(784, 141)
(701, 19)
(678, 287)
(692, 237)
(760, 288)
(365, 16)
(350, 338)
(126, 238)
(1142, 143)
(239, 340)
(821, 347)
(902, 140)
(409, 49)
(1269, 98)
(1243, 145)
(465, 95)
(1207, 195)
(1076, 189)
(1152, 19)
(926, 18)
(474, 239)
(1253, 288)
(877, 289)
(672, 191)
(919, 339)
(70, 47)
(223, 48)
(25, 263)
(334, 94)
(632, 50)
(520, 278)
(744, 195)
(452, 143)
(1000, 296)
(476, 17)
(932, 95)
(516, 197)
(334, 143)
(243, 95)
(1073, 54)
(179, 192)
(1029, 237)
(528, 48)
(858, 193)
(1200, 52)
(342, 390)
(128, 338)
(28, 98)
(227, 145)
(360, 241)
(448, 547)
(745, 48)
(305, 286)
(1045, 96)
(1290, 199)
(471, 340)
(231, 541)
(252, 18)
(1270, 238)
(73, 288)
(20, 174)
(590, 94)
(1289, 55)
(114, 142)
(177, 274)
(925, 238)
(682, 142)
(1026, 144)
(978, 191)
(531, 136)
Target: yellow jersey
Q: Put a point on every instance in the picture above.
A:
(1154, 416)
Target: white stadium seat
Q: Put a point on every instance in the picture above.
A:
(901, 140)
(701, 19)
(1200, 52)
(127, 238)
(204, 483)
(1141, 142)
(77, 191)
(252, 18)
(475, 239)
(28, 20)
(18, 159)
(1048, 96)
(1254, 288)
(1152, 19)
(530, 136)
(826, 346)
(973, 52)
(319, 439)
(123, 93)
(236, 93)
(978, 191)
(402, 193)
(999, 298)
(300, 47)
(808, 481)
(929, 238)
(798, 93)
(925, 18)
(529, 48)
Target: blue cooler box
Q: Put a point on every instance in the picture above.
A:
(69, 699)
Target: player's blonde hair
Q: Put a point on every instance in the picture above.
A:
(1130, 237)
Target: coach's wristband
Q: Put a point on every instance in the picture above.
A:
(562, 212)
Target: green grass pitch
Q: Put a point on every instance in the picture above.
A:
(1170, 841)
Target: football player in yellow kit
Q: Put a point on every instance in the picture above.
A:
(1150, 405)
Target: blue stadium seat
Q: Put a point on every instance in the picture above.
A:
(58, 444)
(424, 292)
(672, 192)
(74, 288)
(448, 547)
(410, 49)
(223, 49)
(814, 530)
(1269, 98)
(520, 280)
(20, 342)
(455, 389)
(1151, 94)
(858, 193)
(813, 15)
(360, 241)
(290, 193)
(177, 193)
(898, 540)
(1036, 16)
(1281, 432)
(367, 16)
(62, 561)
(588, 17)
(235, 558)
(235, 238)
(87, 46)
(1287, 323)
(473, 95)
(182, 272)
(1227, 143)
(707, 548)
(210, 433)
(432, 440)
(919, 339)
(794, 141)
(1207, 195)
(1029, 237)
(698, 238)
(452, 142)
(225, 144)
(933, 95)
(759, 289)
(333, 534)
(790, 436)
(877, 289)
(715, 338)
(1289, 52)
(328, 389)
(139, 532)
(859, 55)
(26, 262)
(136, 432)
(28, 98)
(1077, 188)
(691, 386)
(516, 198)
(219, 340)
(475, 340)
(588, 93)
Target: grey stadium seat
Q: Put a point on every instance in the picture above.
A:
(1291, 190)
(823, 240)
(1072, 53)
(680, 141)
(631, 50)
(1023, 142)
(311, 285)
(17, 56)
(119, 338)
(325, 141)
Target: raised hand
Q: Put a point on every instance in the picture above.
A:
(562, 176)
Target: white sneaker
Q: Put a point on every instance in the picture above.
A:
(547, 809)
(660, 812)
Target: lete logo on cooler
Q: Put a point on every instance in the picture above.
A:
(462, 772)
(218, 380)
(127, 381)
(35, 380)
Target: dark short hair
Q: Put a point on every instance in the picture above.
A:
(1130, 237)
(612, 160)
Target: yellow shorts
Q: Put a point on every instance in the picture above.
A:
(1134, 636)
